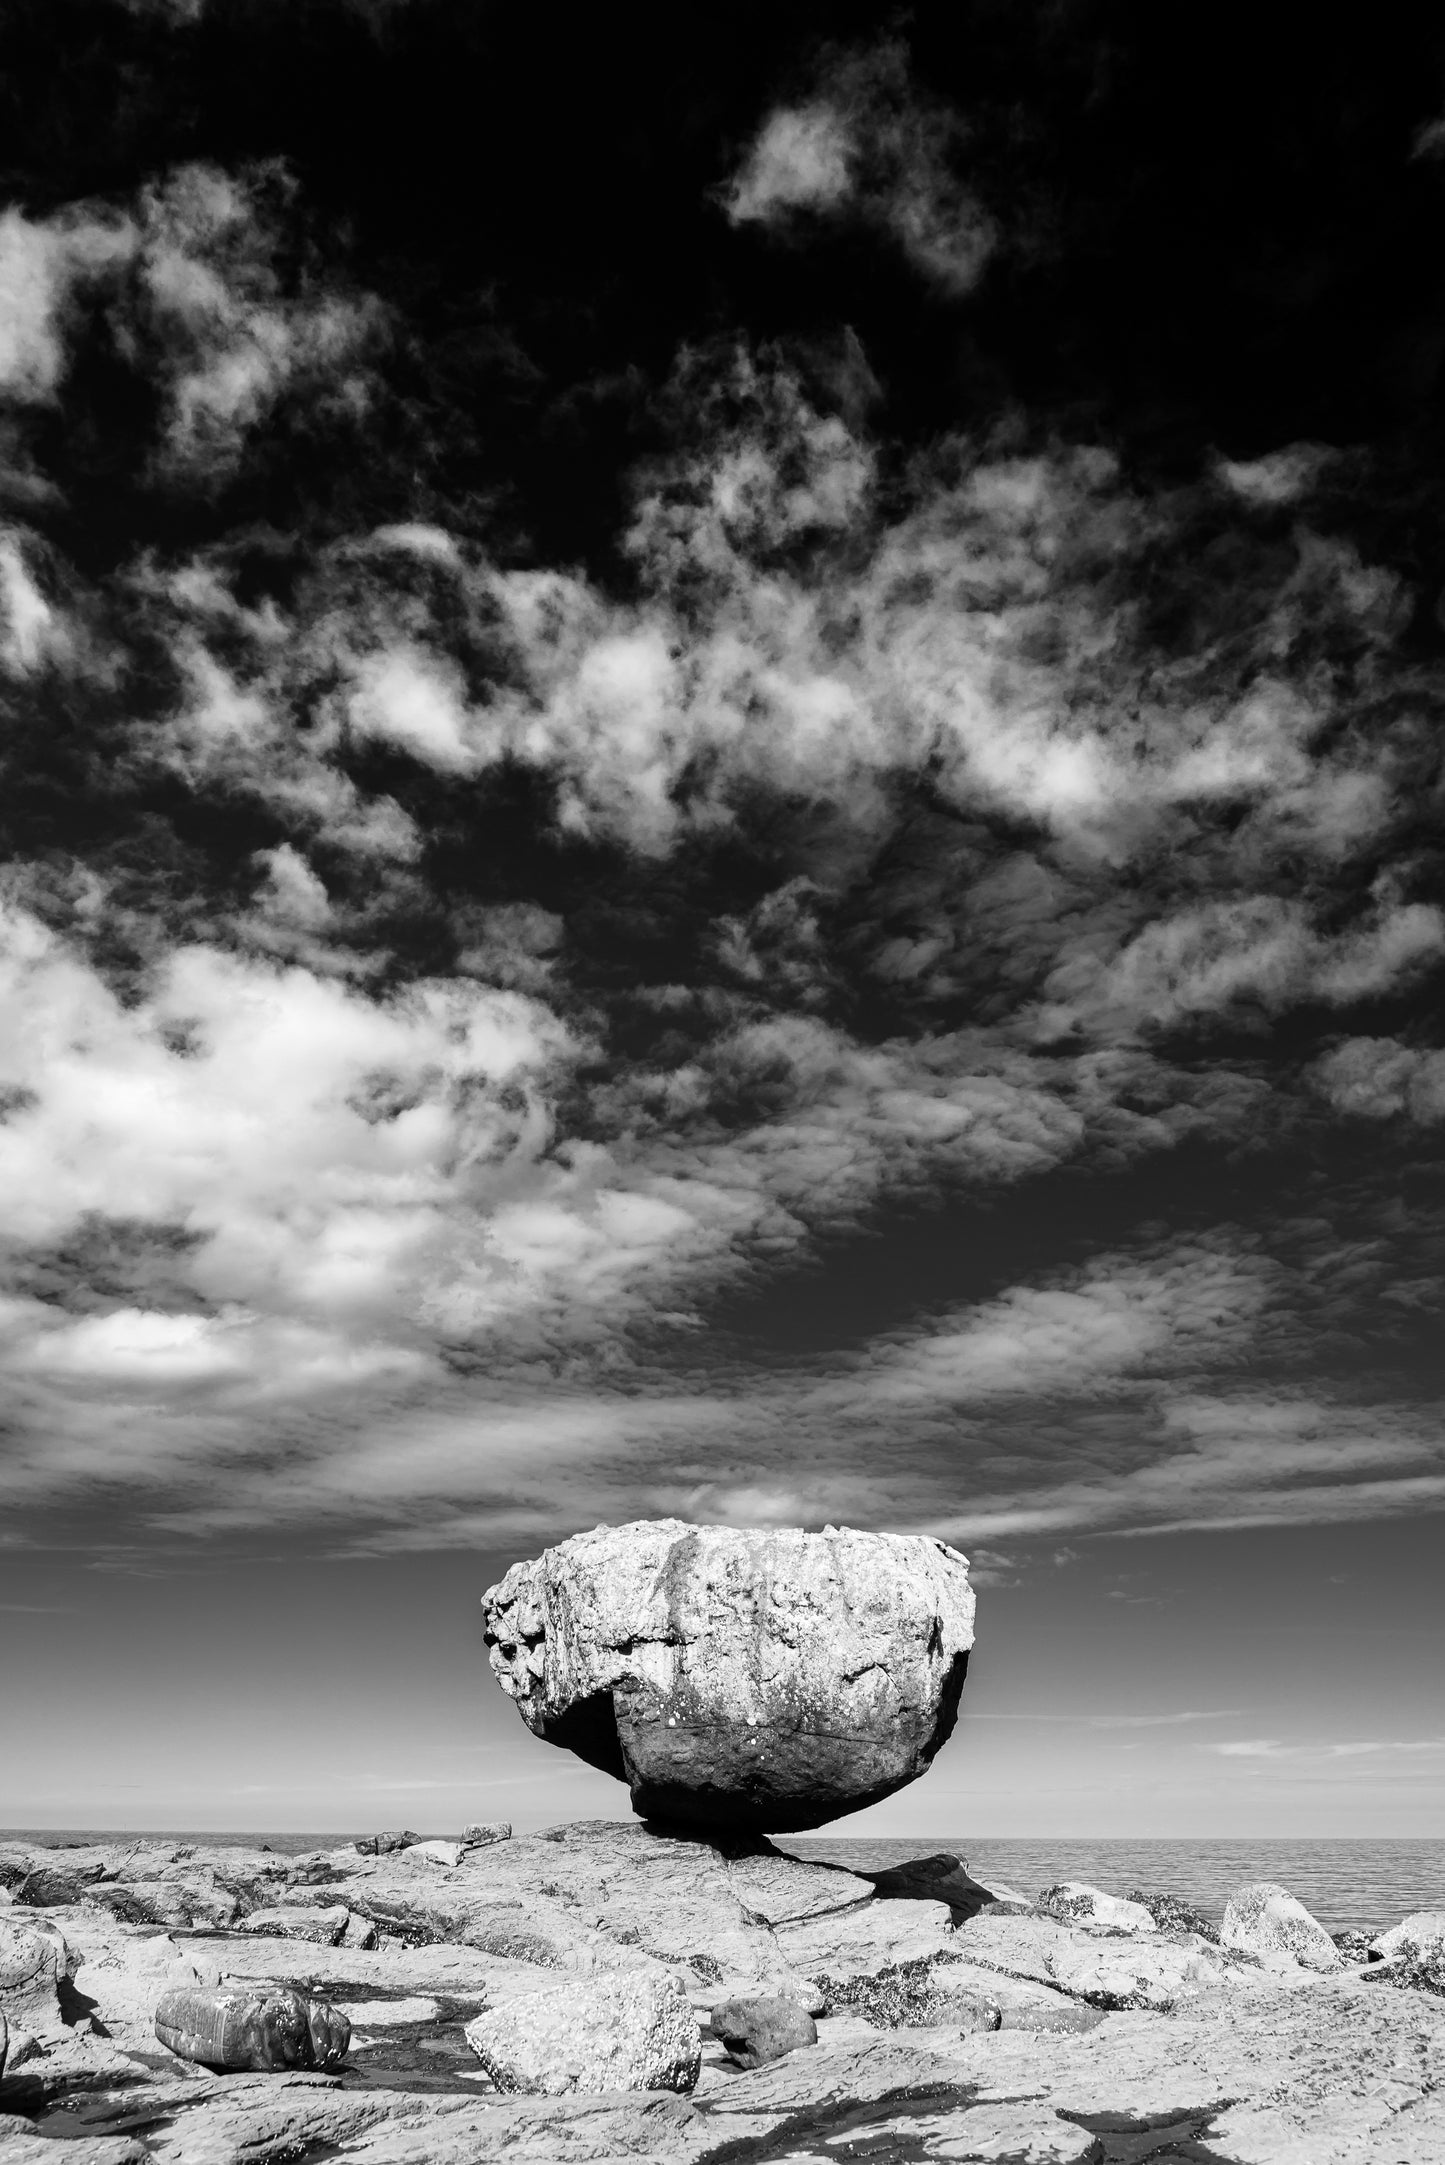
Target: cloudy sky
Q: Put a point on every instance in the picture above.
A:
(722, 797)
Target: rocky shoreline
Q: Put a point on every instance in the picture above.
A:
(917, 2015)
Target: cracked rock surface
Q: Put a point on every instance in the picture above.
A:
(1100, 2044)
(743, 1680)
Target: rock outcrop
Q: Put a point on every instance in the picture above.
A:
(747, 1680)
(627, 2034)
(1010, 2034)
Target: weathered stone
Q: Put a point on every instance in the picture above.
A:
(1078, 1903)
(762, 1680)
(1422, 1929)
(482, 1833)
(1266, 1921)
(448, 1854)
(244, 2028)
(752, 2032)
(622, 2034)
(360, 1932)
(323, 1926)
(381, 1845)
(4, 2042)
(34, 1962)
(1172, 1914)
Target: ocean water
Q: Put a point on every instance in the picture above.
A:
(1348, 1885)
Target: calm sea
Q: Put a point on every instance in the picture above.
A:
(1347, 1884)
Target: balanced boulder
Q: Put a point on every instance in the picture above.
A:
(753, 1680)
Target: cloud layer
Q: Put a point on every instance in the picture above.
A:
(453, 986)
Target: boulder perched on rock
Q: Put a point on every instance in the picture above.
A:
(482, 1833)
(757, 1680)
(1266, 1921)
(251, 2027)
(626, 2033)
(752, 2032)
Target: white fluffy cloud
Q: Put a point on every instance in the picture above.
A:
(869, 143)
(187, 278)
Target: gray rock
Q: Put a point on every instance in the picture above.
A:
(243, 2027)
(614, 2034)
(482, 1833)
(34, 1962)
(1266, 1921)
(4, 2042)
(381, 1845)
(748, 1680)
(752, 2032)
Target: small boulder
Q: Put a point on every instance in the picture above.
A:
(360, 1932)
(1422, 1929)
(448, 1854)
(252, 2027)
(629, 2033)
(381, 1845)
(1076, 1902)
(482, 1833)
(1266, 1921)
(322, 1926)
(752, 2032)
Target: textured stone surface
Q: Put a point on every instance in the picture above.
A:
(34, 1960)
(1082, 1904)
(753, 2032)
(235, 2027)
(325, 1926)
(1281, 2066)
(481, 1833)
(628, 2034)
(1422, 1929)
(747, 1680)
(1266, 1921)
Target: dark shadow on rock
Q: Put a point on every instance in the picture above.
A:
(941, 1877)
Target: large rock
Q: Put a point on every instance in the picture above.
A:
(625, 2034)
(1266, 1921)
(34, 1963)
(754, 1680)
